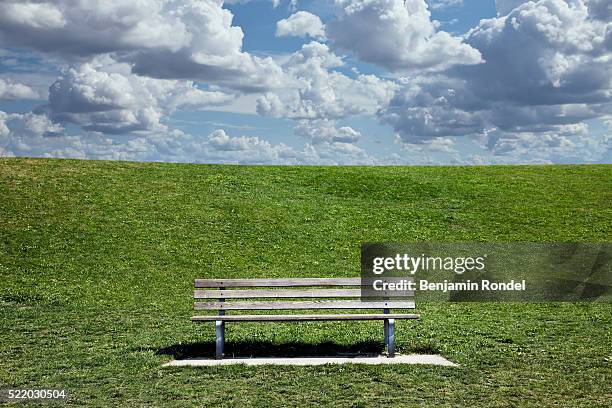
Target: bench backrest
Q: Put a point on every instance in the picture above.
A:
(281, 294)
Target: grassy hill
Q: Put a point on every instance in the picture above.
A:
(97, 261)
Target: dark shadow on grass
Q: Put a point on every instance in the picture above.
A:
(269, 349)
(291, 349)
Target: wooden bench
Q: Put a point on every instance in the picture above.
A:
(271, 294)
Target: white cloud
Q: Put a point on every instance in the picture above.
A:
(301, 24)
(323, 130)
(426, 108)
(213, 52)
(318, 92)
(398, 35)
(221, 141)
(188, 39)
(547, 67)
(523, 83)
(41, 16)
(86, 28)
(34, 135)
(437, 144)
(103, 95)
(4, 130)
(549, 53)
(566, 144)
(20, 132)
(12, 90)
(32, 125)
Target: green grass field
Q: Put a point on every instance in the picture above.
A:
(97, 261)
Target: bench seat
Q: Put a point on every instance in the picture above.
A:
(304, 317)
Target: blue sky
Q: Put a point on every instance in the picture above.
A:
(369, 82)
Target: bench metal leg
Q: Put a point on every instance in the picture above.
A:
(386, 321)
(390, 337)
(219, 343)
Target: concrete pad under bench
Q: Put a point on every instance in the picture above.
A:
(430, 359)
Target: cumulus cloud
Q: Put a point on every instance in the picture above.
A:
(213, 52)
(319, 92)
(301, 24)
(545, 52)
(105, 96)
(521, 84)
(547, 69)
(32, 124)
(20, 133)
(87, 28)
(437, 144)
(12, 90)
(521, 143)
(323, 130)
(4, 130)
(398, 35)
(35, 135)
(189, 39)
(219, 147)
(221, 141)
(567, 144)
(427, 109)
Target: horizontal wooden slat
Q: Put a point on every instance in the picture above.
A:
(275, 293)
(289, 293)
(233, 283)
(306, 304)
(301, 317)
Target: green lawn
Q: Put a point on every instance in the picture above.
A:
(97, 261)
